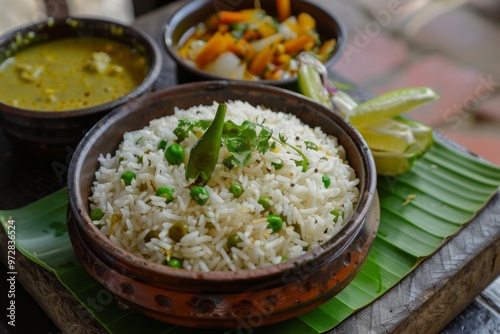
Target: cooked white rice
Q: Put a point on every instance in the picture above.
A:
(138, 221)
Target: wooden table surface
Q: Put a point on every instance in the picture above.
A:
(425, 301)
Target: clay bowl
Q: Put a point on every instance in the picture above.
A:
(52, 134)
(193, 12)
(221, 299)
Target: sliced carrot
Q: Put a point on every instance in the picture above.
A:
(216, 45)
(250, 35)
(284, 9)
(223, 28)
(242, 49)
(293, 46)
(265, 29)
(306, 23)
(327, 47)
(226, 16)
(262, 58)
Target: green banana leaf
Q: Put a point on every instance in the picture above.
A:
(447, 189)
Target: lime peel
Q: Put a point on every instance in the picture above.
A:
(389, 105)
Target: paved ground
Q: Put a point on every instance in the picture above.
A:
(452, 46)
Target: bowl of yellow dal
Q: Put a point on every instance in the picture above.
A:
(60, 76)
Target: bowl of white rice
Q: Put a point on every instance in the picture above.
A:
(282, 221)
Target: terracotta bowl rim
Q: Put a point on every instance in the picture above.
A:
(61, 23)
(315, 256)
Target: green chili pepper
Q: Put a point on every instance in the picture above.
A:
(174, 154)
(275, 222)
(199, 194)
(127, 177)
(326, 180)
(205, 152)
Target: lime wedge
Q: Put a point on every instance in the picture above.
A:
(388, 135)
(393, 163)
(388, 163)
(422, 134)
(389, 105)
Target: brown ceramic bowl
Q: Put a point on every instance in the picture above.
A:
(193, 12)
(221, 299)
(49, 133)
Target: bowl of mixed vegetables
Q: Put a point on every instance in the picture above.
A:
(250, 39)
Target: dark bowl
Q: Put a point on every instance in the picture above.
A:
(221, 299)
(194, 12)
(50, 133)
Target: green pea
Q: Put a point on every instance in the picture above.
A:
(162, 144)
(127, 177)
(233, 241)
(265, 201)
(96, 214)
(236, 189)
(337, 213)
(284, 259)
(166, 192)
(177, 231)
(275, 222)
(174, 263)
(310, 145)
(175, 154)
(326, 180)
(151, 234)
(199, 194)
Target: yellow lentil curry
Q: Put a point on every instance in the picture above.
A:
(70, 73)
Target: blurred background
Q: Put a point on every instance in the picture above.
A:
(451, 46)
